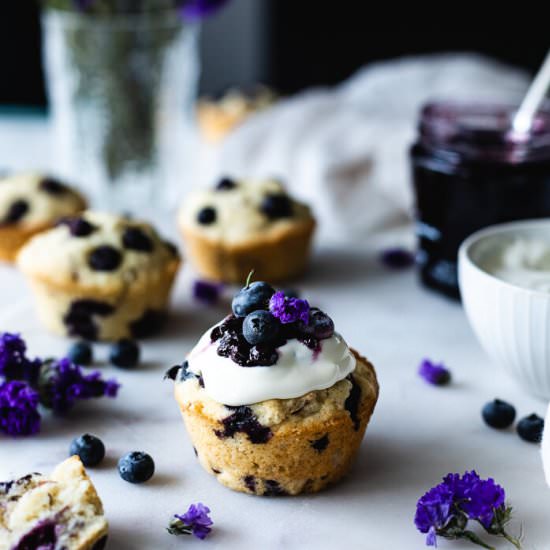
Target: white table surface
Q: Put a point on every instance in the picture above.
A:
(417, 435)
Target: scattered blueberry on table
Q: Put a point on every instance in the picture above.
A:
(530, 428)
(498, 414)
(125, 354)
(89, 448)
(81, 353)
(136, 467)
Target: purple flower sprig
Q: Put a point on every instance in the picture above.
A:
(445, 510)
(19, 414)
(433, 373)
(14, 363)
(54, 384)
(196, 521)
(289, 310)
(62, 384)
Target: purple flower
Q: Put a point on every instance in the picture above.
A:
(446, 509)
(14, 364)
(199, 9)
(289, 310)
(437, 375)
(206, 292)
(195, 521)
(397, 258)
(18, 409)
(483, 498)
(434, 511)
(63, 383)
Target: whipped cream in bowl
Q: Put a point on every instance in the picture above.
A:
(504, 278)
(298, 370)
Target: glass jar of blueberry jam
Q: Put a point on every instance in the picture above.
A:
(471, 171)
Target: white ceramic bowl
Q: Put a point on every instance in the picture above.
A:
(512, 323)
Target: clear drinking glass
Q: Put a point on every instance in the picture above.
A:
(122, 91)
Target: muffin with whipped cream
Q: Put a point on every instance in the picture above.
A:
(100, 276)
(218, 117)
(240, 225)
(59, 511)
(30, 203)
(274, 400)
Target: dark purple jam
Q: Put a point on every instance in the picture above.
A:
(469, 172)
(233, 344)
(352, 402)
(245, 421)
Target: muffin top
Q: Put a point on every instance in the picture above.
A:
(34, 200)
(98, 250)
(272, 346)
(236, 211)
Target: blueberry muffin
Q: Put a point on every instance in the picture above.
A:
(99, 276)
(274, 400)
(59, 512)
(242, 225)
(30, 203)
(218, 117)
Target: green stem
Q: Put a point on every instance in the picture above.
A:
(472, 537)
(512, 540)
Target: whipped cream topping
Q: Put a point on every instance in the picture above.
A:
(523, 262)
(298, 371)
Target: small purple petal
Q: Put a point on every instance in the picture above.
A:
(207, 292)
(289, 310)
(197, 519)
(397, 258)
(432, 373)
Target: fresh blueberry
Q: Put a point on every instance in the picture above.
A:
(52, 186)
(136, 467)
(78, 227)
(89, 448)
(135, 238)
(252, 297)
(530, 428)
(276, 206)
(320, 324)
(125, 354)
(260, 327)
(105, 258)
(226, 184)
(16, 211)
(206, 215)
(498, 414)
(81, 353)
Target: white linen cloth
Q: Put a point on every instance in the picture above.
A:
(345, 150)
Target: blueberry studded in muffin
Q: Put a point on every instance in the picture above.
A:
(100, 276)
